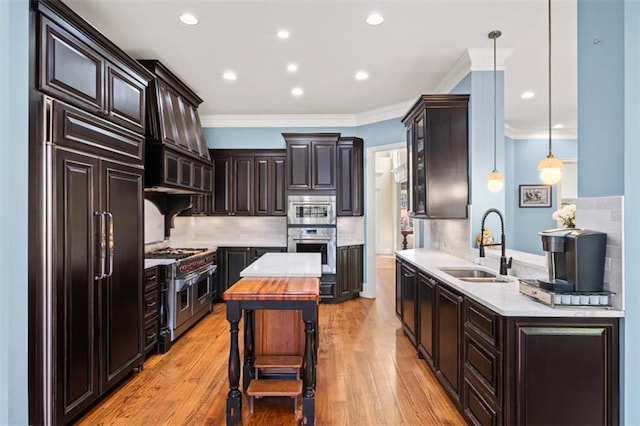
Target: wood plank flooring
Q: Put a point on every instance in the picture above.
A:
(368, 374)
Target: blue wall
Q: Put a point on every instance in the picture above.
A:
(374, 134)
(631, 323)
(14, 118)
(601, 97)
(527, 222)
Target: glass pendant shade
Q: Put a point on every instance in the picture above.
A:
(550, 170)
(495, 181)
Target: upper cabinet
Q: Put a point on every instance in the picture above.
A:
(438, 148)
(96, 77)
(350, 194)
(311, 161)
(177, 154)
(249, 182)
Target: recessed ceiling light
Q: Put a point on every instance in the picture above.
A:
(559, 126)
(375, 19)
(283, 34)
(527, 95)
(297, 91)
(230, 75)
(292, 67)
(188, 19)
(361, 75)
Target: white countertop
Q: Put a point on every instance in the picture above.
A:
(285, 265)
(150, 263)
(503, 298)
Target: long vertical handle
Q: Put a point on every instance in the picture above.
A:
(102, 245)
(111, 243)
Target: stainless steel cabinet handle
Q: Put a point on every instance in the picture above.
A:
(102, 245)
(111, 244)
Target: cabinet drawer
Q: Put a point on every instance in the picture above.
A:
(483, 363)
(486, 323)
(150, 304)
(150, 278)
(150, 335)
(327, 290)
(477, 409)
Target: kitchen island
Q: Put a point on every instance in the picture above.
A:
(287, 282)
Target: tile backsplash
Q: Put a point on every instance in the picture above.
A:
(219, 231)
(153, 223)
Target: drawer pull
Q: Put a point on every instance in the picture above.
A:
(151, 305)
(151, 336)
(152, 277)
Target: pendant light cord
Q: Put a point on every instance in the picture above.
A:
(550, 79)
(495, 102)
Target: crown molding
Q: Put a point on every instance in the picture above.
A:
(385, 113)
(278, 120)
(472, 59)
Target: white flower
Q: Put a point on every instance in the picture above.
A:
(567, 215)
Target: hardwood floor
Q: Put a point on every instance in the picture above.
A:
(368, 374)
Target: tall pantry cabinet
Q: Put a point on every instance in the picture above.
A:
(86, 202)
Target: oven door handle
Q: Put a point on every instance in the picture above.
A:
(312, 239)
(192, 278)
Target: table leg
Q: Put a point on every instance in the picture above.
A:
(249, 349)
(309, 367)
(234, 398)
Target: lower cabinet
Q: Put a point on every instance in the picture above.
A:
(512, 370)
(408, 300)
(151, 309)
(447, 335)
(350, 273)
(232, 260)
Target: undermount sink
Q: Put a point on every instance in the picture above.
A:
(462, 273)
(484, 280)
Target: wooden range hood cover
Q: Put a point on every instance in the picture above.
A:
(177, 157)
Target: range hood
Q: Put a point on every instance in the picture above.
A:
(176, 153)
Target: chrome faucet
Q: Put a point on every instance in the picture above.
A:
(504, 262)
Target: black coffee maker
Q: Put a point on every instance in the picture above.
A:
(575, 260)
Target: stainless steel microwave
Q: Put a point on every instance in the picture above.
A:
(311, 210)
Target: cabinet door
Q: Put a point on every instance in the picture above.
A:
(446, 162)
(69, 68)
(242, 185)
(262, 193)
(355, 269)
(426, 316)
(419, 199)
(278, 187)
(398, 288)
(323, 165)
(448, 342)
(344, 276)
(258, 252)
(125, 99)
(186, 172)
(565, 373)
(76, 242)
(350, 176)
(409, 301)
(167, 121)
(122, 291)
(222, 185)
(171, 168)
(299, 165)
(234, 260)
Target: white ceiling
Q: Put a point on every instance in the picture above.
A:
(408, 55)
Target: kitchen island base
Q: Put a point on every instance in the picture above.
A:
(251, 294)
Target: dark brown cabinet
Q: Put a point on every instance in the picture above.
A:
(426, 311)
(349, 268)
(232, 260)
(512, 370)
(151, 308)
(408, 297)
(398, 289)
(98, 277)
(350, 192)
(438, 150)
(249, 182)
(177, 157)
(311, 162)
(448, 337)
(84, 74)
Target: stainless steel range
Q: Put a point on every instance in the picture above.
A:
(190, 284)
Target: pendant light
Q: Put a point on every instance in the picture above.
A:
(550, 167)
(495, 179)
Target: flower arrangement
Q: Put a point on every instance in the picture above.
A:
(567, 215)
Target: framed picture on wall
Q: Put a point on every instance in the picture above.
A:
(535, 195)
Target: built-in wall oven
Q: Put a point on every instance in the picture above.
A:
(311, 227)
(314, 240)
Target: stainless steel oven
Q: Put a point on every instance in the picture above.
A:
(311, 210)
(314, 240)
(193, 298)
